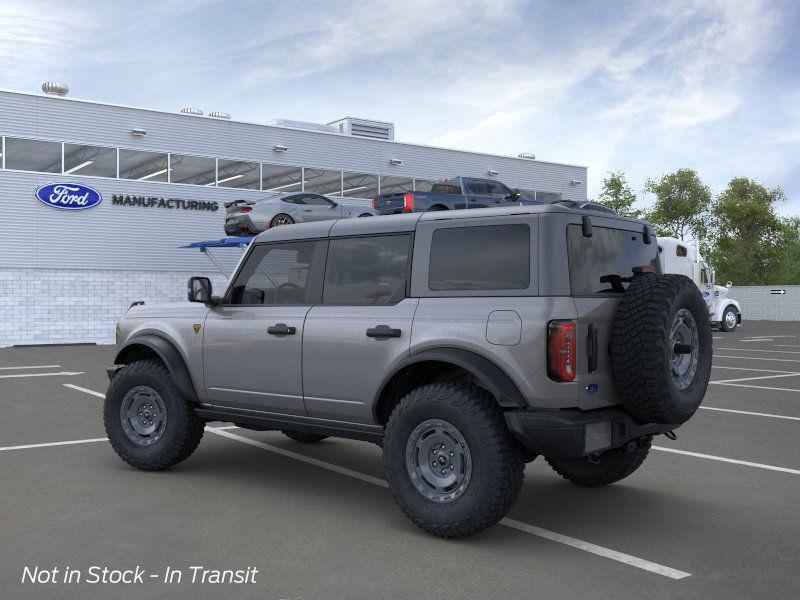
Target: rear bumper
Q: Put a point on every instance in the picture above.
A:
(573, 433)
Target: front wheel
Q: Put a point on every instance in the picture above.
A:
(729, 319)
(609, 467)
(150, 425)
(452, 465)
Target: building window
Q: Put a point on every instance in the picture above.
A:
(237, 174)
(280, 178)
(194, 170)
(366, 270)
(359, 185)
(143, 166)
(320, 181)
(491, 257)
(396, 185)
(96, 161)
(33, 155)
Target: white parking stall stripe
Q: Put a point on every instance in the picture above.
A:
(759, 387)
(792, 360)
(49, 444)
(537, 531)
(728, 460)
(747, 412)
(758, 350)
(786, 346)
(31, 367)
(65, 373)
(749, 369)
(754, 378)
(84, 390)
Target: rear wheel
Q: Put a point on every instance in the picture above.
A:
(452, 464)
(606, 468)
(281, 219)
(150, 425)
(729, 319)
(306, 438)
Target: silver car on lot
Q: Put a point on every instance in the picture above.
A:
(249, 217)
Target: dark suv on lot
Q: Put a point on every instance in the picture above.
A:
(464, 342)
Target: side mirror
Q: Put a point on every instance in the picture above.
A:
(729, 285)
(199, 289)
(334, 204)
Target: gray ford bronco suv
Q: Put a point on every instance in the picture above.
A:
(465, 343)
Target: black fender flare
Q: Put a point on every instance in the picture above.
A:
(494, 379)
(170, 356)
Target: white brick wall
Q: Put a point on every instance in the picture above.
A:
(760, 304)
(49, 306)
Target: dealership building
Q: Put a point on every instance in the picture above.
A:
(161, 180)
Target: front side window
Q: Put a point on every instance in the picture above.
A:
(604, 263)
(477, 187)
(491, 257)
(366, 270)
(97, 161)
(495, 188)
(315, 200)
(681, 251)
(33, 155)
(274, 274)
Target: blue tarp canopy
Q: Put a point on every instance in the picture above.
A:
(226, 242)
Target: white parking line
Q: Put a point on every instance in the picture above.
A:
(759, 387)
(758, 350)
(786, 346)
(31, 367)
(792, 360)
(749, 369)
(754, 378)
(728, 460)
(531, 529)
(66, 373)
(747, 412)
(48, 444)
(84, 390)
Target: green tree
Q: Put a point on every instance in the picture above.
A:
(681, 204)
(750, 244)
(618, 195)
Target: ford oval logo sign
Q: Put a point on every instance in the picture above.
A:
(68, 196)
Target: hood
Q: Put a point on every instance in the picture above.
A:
(175, 309)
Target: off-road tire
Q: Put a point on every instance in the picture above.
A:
(641, 349)
(723, 325)
(182, 432)
(609, 467)
(498, 466)
(306, 438)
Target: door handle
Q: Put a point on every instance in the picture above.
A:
(383, 331)
(308, 209)
(591, 348)
(281, 329)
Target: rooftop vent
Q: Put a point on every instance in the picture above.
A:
(219, 115)
(377, 130)
(303, 125)
(527, 155)
(192, 111)
(51, 88)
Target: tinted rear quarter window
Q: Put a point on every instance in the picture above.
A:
(491, 257)
(602, 263)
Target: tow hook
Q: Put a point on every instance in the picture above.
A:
(671, 435)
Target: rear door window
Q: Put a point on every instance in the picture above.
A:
(604, 263)
(367, 270)
(491, 257)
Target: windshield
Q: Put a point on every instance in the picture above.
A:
(604, 263)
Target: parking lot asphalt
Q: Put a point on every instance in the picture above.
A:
(710, 515)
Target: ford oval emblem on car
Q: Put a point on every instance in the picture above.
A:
(592, 388)
(68, 196)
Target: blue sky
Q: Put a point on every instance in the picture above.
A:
(641, 87)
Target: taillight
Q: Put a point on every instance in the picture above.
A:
(246, 209)
(374, 202)
(408, 202)
(561, 350)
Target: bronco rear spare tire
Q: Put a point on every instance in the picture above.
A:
(661, 348)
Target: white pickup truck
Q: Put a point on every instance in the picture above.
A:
(679, 257)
